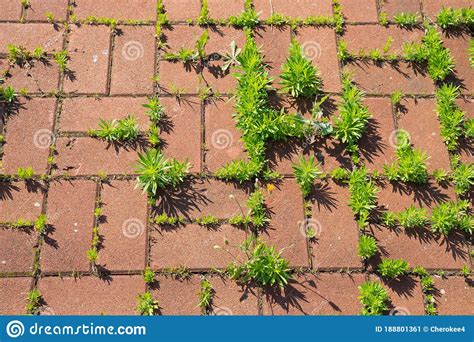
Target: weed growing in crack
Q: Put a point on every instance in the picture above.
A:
(393, 268)
(396, 98)
(207, 220)
(353, 117)
(383, 19)
(452, 119)
(410, 165)
(157, 172)
(264, 265)
(306, 171)
(231, 58)
(363, 195)
(149, 276)
(20, 56)
(34, 300)
(471, 52)
(248, 18)
(41, 224)
(338, 19)
(25, 173)
(206, 294)
(146, 304)
(93, 252)
(367, 247)
(406, 20)
(299, 76)
(8, 94)
(165, 220)
(374, 298)
(452, 215)
(440, 61)
(123, 130)
(257, 209)
(61, 58)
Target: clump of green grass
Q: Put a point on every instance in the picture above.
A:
(463, 176)
(34, 300)
(61, 58)
(363, 195)
(306, 171)
(393, 268)
(8, 94)
(353, 117)
(257, 209)
(264, 265)
(396, 98)
(412, 217)
(165, 220)
(383, 18)
(374, 298)
(149, 275)
(207, 220)
(452, 119)
(123, 130)
(41, 223)
(157, 172)
(471, 52)
(299, 76)
(25, 173)
(21, 56)
(406, 20)
(440, 61)
(410, 165)
(449, 18)
(248, 18)
(367, 247)
(146, 304)
(452, 215)
(338, 17)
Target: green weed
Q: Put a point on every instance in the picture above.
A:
(206, 294)
(406, 20)
(146, 304)
(123, 130)
(452, 215)
(374, 298)
(393, 268)
(306, 171)
(149, 275)
(363, 195)
(412, 217)
(367, 247)
(449, 18)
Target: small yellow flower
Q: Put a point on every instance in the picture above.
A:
(270, 187)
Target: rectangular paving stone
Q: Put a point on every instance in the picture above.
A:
(177, 297)
(364, 11)
(178, 78)
(233, 299)
(285, 230)
(117, 9)
(31, 36)
(20, 200)
(89, 59)
(458, 46)
(300, 8)
(183, 121)
(337, 234)
(40, 78)
(319, 45)
(231, 8)
(394, 7)
(406, 295)
(454, 296)
(86, 156)
(376, 144)
(223, 142)
(181, 10)
(274, 43)
(80, 114)
(386, 79)
(192, 246)
(123, 226)
(13, 292)
(71, 216)
(17, 250)
(368, 37)
(200, 197)
(133, 64)
(28, 141)
(316, 295)
(426, 137)
(421, 247)
(90, 295)
(38, 8)
(11, 10)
